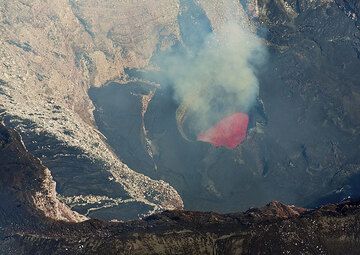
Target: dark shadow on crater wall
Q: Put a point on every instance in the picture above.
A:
(118, 116)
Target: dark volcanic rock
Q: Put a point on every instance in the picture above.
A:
(26, 228)
(311, 98)
(27, 191)
(303, 143)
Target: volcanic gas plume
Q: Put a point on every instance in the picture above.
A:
(217, 80)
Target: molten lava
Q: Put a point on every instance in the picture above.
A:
(228, 132)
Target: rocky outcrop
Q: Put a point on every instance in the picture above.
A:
(27, 189)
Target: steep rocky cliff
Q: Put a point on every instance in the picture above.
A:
(27, 189)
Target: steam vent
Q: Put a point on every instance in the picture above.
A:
(179, 127)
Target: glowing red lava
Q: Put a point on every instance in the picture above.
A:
(228, 132)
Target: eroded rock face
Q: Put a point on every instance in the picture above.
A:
(27, 189)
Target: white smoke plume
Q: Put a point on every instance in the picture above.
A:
(220, 77)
